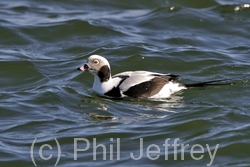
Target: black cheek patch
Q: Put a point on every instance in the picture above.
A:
(104, 73)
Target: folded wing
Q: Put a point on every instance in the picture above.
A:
(143, 84)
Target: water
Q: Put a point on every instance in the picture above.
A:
(44, 97)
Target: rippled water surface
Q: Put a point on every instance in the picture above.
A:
(47, 102)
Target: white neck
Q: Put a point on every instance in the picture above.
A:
(102, 87)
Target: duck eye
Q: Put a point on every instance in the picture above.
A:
(96, 62)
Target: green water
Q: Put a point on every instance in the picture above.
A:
(44, 100)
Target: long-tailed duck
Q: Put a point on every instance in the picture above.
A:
(137, 84)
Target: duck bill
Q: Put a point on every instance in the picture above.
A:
(81, 68)
(84, 67)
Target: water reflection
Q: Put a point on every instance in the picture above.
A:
(107, 109)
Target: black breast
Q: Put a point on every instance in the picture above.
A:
(115, 91)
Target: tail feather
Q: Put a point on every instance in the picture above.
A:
(208, 83)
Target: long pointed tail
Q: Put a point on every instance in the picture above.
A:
(208, 83)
